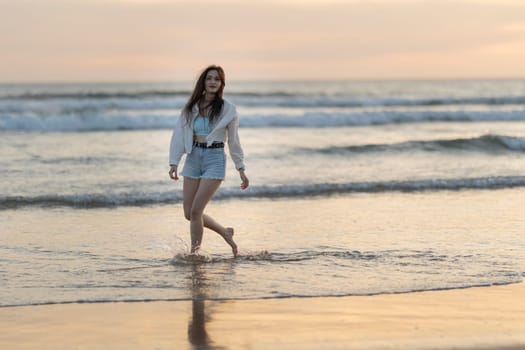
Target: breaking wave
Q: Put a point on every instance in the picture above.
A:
(485, 143)
(262, 192)
(160, 120)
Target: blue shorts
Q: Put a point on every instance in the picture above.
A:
(205, 163)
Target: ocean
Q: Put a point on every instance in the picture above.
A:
(356, 188)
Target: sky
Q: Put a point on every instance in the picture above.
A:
(163, 40)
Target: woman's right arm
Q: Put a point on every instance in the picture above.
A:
(177, 141)
(176, 146)
(173, 172)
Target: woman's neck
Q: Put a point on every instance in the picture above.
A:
(208, 98)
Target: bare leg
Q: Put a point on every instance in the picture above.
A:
(225, 232)
(197, 194)
(190, 188)
(206, 190)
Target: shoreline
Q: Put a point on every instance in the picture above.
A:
(491, 317)
(221, 300)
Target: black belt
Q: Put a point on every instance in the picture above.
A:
(205, 144)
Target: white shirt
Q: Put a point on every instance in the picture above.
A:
(225, 129)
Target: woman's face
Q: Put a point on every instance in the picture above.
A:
(213, 82)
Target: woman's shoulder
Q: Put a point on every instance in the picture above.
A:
(229, 107)
(228, 103)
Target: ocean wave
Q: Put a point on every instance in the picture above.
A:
(261, 192)
(271, 97)
(273, 257)
(82, 122)
(95, 95)
(140, 94)
(352, 102)
(87, 108)
(393, 257)
(157, 120)
(484, 143)
(344, 119)
(89, 200)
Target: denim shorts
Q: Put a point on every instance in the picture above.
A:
(205, 163)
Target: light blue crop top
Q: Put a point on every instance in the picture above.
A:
(201, 126)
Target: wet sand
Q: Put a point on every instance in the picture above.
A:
(473, 318)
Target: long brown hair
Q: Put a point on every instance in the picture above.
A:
(198, 91)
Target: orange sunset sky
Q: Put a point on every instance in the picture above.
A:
(162, 40)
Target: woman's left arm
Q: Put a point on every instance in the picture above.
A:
(245, 182)
(236, 152)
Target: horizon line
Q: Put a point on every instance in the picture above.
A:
(256, 80)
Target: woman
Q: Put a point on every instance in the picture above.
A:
(205, 123)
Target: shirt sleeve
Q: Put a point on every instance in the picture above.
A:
(177, 141)
(234, 143)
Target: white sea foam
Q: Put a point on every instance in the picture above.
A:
(161, 120)
(284, 191)
(84, 107)
(484, 143)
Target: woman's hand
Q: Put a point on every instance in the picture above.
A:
(173, 172)
(245, 182)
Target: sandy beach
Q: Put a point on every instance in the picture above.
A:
(473, 318)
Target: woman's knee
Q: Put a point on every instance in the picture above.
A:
(195, 213)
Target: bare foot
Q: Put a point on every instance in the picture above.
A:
(228, 237)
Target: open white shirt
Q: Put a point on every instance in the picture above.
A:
(225, 130)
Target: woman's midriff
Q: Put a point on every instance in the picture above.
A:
(199, 138)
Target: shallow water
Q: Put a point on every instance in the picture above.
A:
(340, 245)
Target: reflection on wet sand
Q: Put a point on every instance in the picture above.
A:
(205, 280)
(201, 287)
(197, 334)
